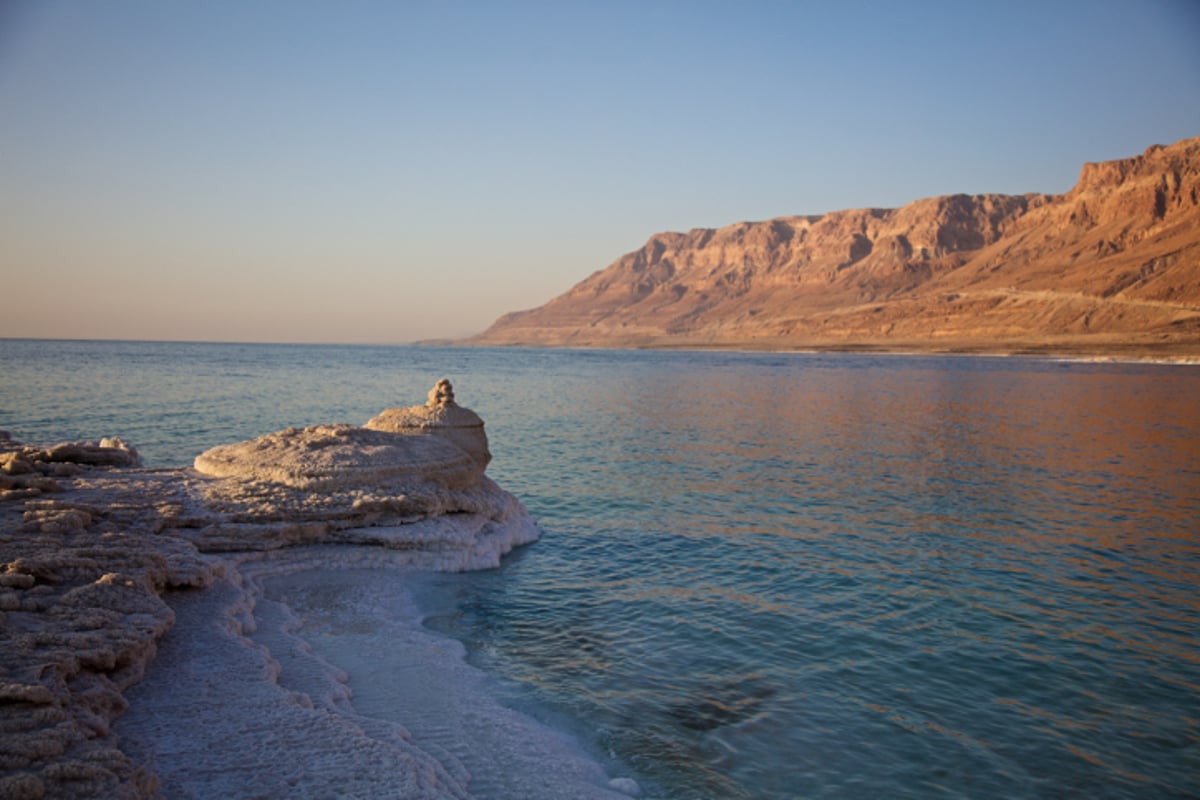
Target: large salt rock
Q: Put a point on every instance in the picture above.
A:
(81, 575)
(325, 458)
(439, 417)
(303, 486)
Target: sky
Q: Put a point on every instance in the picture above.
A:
(387, 172)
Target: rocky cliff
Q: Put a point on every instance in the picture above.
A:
(1113, 264)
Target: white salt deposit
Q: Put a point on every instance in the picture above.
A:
(307, 673)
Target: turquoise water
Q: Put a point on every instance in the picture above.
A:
(774, 576)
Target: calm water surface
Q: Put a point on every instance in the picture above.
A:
(774, 576)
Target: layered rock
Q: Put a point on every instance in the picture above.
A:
(331, 458)
(1114, 261)
(89, 542)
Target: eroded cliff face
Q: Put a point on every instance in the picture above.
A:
(1114, 261)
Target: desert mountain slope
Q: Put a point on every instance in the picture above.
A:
(1112, 264)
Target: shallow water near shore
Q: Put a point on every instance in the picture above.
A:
(772, 575)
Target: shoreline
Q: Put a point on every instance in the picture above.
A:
(345, 690)
(103, 562)
(102, 567)
(1186, 353)
(1182, 354)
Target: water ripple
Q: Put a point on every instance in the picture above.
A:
(776, 576)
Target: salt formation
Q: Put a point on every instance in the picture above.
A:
(82, 568)
(28, 471)
(89, 543)
(365, 701)
(442, 417)
(332, 457)
(413, 478)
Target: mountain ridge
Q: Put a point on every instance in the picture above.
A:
(1111, 265)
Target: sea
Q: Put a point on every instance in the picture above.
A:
(771, 575)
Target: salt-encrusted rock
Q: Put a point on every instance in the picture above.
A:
(104, 453)
(325, 458)
(109, 452)
(30, 471)
(441, 417)
(15, 463)
(82, 615)
(81, 573)
(298, 486)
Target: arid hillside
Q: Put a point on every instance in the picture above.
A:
(1111, 266)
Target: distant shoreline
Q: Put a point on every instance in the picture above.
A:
(1183, 353)
(1180, 352)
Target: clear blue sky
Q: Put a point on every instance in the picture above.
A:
(383, 172)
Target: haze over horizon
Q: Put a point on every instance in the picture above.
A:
(387, 172)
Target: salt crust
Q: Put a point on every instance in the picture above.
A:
(90, 544)
(339, 692)
(330, 457)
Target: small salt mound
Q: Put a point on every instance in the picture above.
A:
(440, 417)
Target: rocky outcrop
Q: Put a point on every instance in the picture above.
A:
(440, 416)
(28, 471)
(1115, 261)
(82, 567)
(89, 543)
